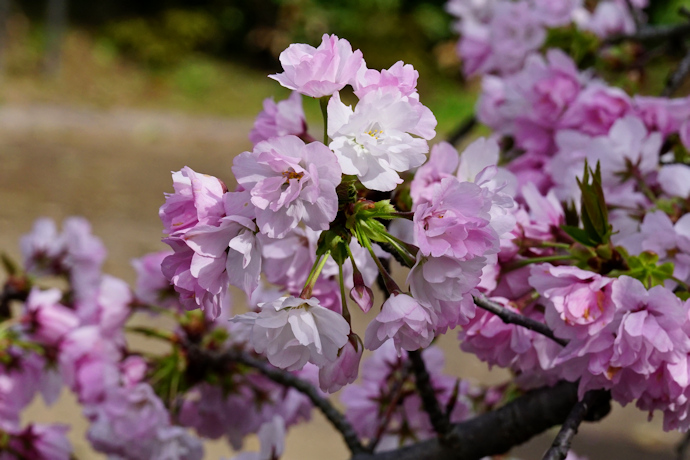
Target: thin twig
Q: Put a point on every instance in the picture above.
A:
(396, 393)
(635, 13)
(677, 77)
(515, 318)
(561, 445)
(287, 379)
(439, 420)
(462, 130)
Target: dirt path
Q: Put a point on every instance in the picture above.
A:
(113, 167)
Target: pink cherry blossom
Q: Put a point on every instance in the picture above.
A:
(333, 376)
(127, 421)
(279, 119)
(197, 200)
(403, 319)
(290, 182)
(555, 13)
(442, 163)
(47, 320)
(443, 283)
(174, 442)
(455, 222)
(271, 441)
(596, 109)
(400, 75)
(674, 180)
(152, 287)
(321, 71)
(42, 442)
(292, 331)
(609, 18)
(578, 301)
(89, 363)
(662, 114)
(374, 141)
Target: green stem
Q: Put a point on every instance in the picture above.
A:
(551, 244)
(523, 263)
(313, 275)
(343, 300)
(403, 215)
(391, 285)
(323, 102)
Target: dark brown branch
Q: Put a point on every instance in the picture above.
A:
(515, 318)
(561, 445)
(221, 359)
(439, 420)
(16, 288)
(496, 432)
(677, 77)
(652, 33)
(462, 130)
(682, 447)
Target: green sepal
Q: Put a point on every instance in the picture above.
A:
(346, 191)
(581, 45)
(374, 229)
(334, 243)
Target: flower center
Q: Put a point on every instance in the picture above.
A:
(292, 175)
(375, 130)
(375, 133)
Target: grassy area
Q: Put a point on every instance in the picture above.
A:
(94, 75)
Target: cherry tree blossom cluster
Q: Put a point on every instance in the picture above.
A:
(558, 247)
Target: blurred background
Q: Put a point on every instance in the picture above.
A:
(99, 101)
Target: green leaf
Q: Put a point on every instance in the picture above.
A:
(644, 268)
(593, 210)
(10, 265)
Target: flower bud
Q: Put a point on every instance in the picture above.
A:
(361, 294)
(333, 376)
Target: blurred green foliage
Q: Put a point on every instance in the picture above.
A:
(161, 33)
(166, 39)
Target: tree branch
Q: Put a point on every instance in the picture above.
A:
(462, 130)
(515, 318)
(651, 33)
(221, 359)
(439, 420)
(677, 77)
(561, 445)
(682, 447)
(496, 432)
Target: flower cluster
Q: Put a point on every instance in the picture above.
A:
(497, 36)
(570, 217)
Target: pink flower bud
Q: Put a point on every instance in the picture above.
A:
(333, 376)
(360, 293)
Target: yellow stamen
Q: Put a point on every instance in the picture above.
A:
(292, 175)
